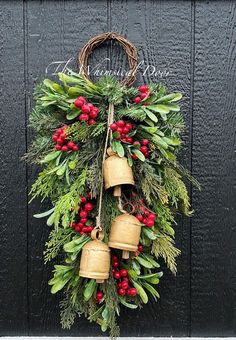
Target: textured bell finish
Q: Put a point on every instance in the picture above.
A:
(116, 172)
(125, 234)
(95, 261)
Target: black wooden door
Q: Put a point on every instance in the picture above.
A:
(192, 46)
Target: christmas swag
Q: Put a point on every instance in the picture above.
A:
(110, 173)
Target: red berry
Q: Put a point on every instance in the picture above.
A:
(124, 139)
(124, 284)
(152, 216)
(77, 228)
(79, 102)
(55, 138)
(81, 233)
(83, 214)
(143, 88)
(123, 272)
(133, 291)
(59, 131)
(129, 126)
(70, 144)
(145, 142)
(85, 229)
(63, 136)
(93, 114)
(58, 147)
(83, 220)
(139, 217)
(140, 248)
(80, 225)
(84, 117)
(116, 275)
(95, 109)
(129, 139)
(125, 279)
(99, 295)
(89, 228)
(91, 122)
(145, 220)
(125, 130)
(134, 156)
(121, 291)
(144, 149)
(113, 127)
(114, 258)
(115, 264)
(60, 141)
(120, 130)
(149, 223)
(83, 199)
(75, 148)
(137, 100)
(73, 225)
(120, 123)
(143, 95)
(113, 270)
(136, 143)
(64, 148)
(85, 108)
(90, 106)
(88, 206)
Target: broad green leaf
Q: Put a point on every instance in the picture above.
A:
(51, 156)
(172, 97)
(144, 263)
(62, 170)
(132, 274)
(151, 115)
(72, 164)
(172, 141)
(149, 233)
(150, 130)
(118, 148)
(139, 154)
(74, 91)
(173, 107)
(72, 115)
(50, 220)
(148, 276)
(159, 141)
(68, 79)
(126, 304)
(59, 285)
(44, 214)
(53, 86)
(152, 290)
(159, 108)
(141, 292)
(130, 161)
(151, 260)
(89, 289)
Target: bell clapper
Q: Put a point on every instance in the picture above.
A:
(125, 254)
(99, 281)
(117, 191)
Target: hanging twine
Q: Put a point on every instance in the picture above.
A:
(83, 57)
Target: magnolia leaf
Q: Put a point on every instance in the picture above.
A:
(139, 154)
(141, 292)
(44, 214)
(144, 263)
(51, 156)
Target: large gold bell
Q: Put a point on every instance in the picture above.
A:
(95, 259)
(116, 172)
(125, 234)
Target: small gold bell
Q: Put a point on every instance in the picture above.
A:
(116, 172)
(95, 258)
(124, 234)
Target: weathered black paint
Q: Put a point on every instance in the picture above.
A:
(195, 42)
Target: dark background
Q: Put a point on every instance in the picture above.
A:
(195, 42)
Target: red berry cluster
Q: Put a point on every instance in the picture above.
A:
(89, 111)
(143, 148)
(145, 216)
(84, 209)
(61, 142)
(122, 279)
(122, 129)
(99, 297)
(143, 94)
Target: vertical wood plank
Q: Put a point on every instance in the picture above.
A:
(56, 32)
(162, 31)
(13, 202)
(213, 229)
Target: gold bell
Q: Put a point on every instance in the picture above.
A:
(95, 258)
(116, 172)
(125, 233)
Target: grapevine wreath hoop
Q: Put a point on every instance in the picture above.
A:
(111, 177)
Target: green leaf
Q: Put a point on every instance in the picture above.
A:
(148, 276)
(72, 115)
(144, 263)
(50, 220)
(139, 154)
(152, 290)
(172, 97)
(149, 233)
(159, 141)
(151, 260)
(44, 214)
(62, 170)
(51, 156)
(173, 107)
(132, 274)
(172, 141)
(126, 304)
(89, 289)
(118, 148)
(53, 86)
(150, 130)
(159, 108)
(130, 161)
(141, 292)
(151, 115)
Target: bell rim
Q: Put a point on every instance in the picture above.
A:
(120, 182)
(93, 275)
(122, 246)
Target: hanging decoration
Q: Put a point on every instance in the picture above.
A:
(113, 183)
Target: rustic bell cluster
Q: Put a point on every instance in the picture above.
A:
(125, 229)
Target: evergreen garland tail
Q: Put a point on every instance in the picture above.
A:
(71, 178)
